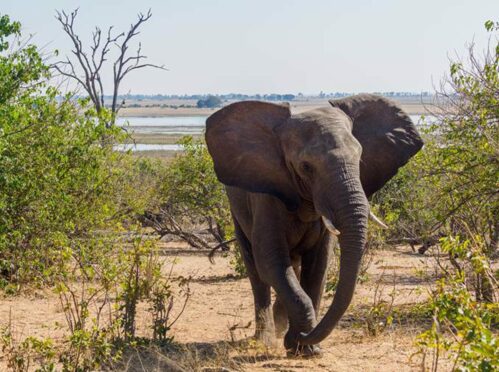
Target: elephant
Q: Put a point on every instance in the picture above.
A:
(295, 183)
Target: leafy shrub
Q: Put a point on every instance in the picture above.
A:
(57, 169)
(463, 327)
(406, 203)
(193, 204)
(450, 189)
(237, 263)
(448, 197)
(66, 198)
(32, 351)
(192, 187)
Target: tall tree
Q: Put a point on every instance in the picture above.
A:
(86, 64)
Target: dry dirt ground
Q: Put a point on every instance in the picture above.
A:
(211, 332)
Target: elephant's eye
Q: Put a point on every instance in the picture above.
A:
(307, 168)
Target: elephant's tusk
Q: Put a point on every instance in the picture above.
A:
(377, 220)
(329, 225)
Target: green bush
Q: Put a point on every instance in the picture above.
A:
(448, 197)
(192, 204)
(68, 218)
(463, 327)
(32, 351)
(192, 188)
(57, 168)
(450, 189)
(60, 179)
(209, 102)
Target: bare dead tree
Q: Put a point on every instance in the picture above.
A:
(85, 67)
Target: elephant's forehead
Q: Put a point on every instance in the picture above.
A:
(321, 129)
(322, 120)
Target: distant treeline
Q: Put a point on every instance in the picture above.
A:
(264, 97)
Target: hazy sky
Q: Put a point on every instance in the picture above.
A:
(281, 46)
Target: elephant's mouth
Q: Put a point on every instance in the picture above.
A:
(307, 212)
(333, 230)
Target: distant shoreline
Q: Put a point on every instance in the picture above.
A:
(188, 108)
(185, 108)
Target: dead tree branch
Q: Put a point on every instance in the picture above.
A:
(85, 67)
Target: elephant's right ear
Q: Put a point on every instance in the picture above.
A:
(246, 151)
(387, 135)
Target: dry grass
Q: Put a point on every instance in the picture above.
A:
(213, 332)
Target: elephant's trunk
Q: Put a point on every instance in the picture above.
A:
(350, 213)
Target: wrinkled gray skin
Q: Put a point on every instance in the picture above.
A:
(283, 173)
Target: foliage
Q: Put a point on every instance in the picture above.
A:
(191, 183)
(459, 164)
(66, 198)
(55, 170)
(448, 197)
(142, 280)
(193, 204)
(209, 102)
(473, 343)
(406, 205)
(32, 351)
(237, 263)
(101, 295)
(20, 69)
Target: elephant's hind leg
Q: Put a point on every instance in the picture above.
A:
(264, 322)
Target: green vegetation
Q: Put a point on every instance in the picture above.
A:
(191, 204)
(68, 219)
(209, 102)
(448, 197)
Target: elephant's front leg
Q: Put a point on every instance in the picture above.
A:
(274, 267)
(280, 314)
(314, 270)
(264, 322)
(264, 327)
(314, 266)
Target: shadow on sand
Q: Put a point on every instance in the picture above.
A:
(219, 356)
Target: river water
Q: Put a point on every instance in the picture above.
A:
(164, 125)
(177, 125)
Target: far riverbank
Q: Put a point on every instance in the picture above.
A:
(411, 105)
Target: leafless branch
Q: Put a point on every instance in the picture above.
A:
(86, 66)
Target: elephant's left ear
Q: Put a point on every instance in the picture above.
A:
(387, 135)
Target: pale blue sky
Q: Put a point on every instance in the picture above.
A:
(281, 46)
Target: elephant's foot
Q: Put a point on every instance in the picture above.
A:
(265, 329)
(293, 349)
(280, 329)
(281, 323)
(267, 337)
(305, 351)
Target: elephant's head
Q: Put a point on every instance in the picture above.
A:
(333, 158)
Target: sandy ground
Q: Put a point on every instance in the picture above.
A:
(220, 301)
